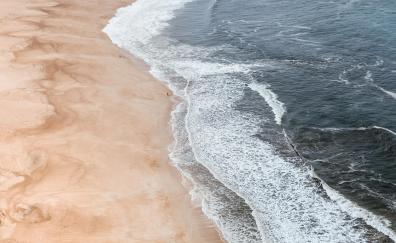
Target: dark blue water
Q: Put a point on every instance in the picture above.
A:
(337, 81)
(287, 122)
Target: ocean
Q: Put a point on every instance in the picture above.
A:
(286, 113)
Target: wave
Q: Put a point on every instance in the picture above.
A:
(360, 69)
(336, 129)
(218, 140)
(378, 222)
(294, 26)
(386, 129)
(234, 218)
(213, 5)
(368, 77)
(390, 93)
(129, 30)
(128, 27)
(278, 108)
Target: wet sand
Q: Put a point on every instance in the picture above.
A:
(84, 134)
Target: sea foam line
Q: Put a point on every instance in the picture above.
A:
(335, 129)
(141, 21)
(133, 29)
(378, 222)
(385, 129)
(278, 108)
(390, 93)
(286, 204)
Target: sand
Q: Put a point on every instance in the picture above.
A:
(84, 131)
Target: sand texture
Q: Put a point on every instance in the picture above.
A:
(83, 134)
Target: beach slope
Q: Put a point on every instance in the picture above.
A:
(84, 134)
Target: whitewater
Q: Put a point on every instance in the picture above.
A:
(217, 148)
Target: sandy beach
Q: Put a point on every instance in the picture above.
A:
(84, 132)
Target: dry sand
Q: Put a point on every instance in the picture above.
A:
(84, 134)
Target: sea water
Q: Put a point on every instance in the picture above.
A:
(286, 121)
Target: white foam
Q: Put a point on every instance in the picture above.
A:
(135, 28)
(141, 21)
(308, 42)
(294, 26)
(342, 77)
(278, 108)
(369, 77)
(378, 222)
(286, 204)
(390, 93)
(192, 68)
(386, 129)
(335, 129)
(378, 63)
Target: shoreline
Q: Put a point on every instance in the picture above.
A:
(84, 142)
